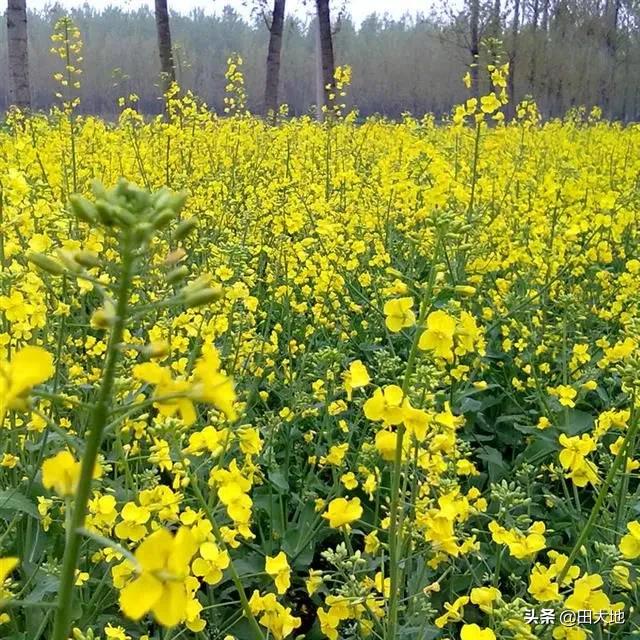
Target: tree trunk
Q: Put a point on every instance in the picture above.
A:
(474, 45)
(19, 92)
(535, 18)
(512, 57)
(167, 67)
(273, 60)
(611, 11)
(326, 52)
(319, 88)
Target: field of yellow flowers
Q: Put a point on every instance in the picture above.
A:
(339, 380)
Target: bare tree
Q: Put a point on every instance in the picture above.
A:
(515, 25)
(610, 23)
(535, 19)
(19, 92)
(273, 59)
(474, 43)
(167, 66)
(326, 51)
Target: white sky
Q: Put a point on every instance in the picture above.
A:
(357, 8)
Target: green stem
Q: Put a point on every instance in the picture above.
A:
(395, 526)
(98, 421)
(237, 581)
(602, 494)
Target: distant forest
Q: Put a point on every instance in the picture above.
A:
(565, 53)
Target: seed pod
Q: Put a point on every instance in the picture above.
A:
(83, 209)
(87, 259)
(161, 199)
(465, 290)
(105, 212)
(163, 218)
(184, 229)
(68, 260)
(124, 217)
(46, 264)
(103, 318)
(177, 201)
(202, 297)
(99, 191)
(177, 274)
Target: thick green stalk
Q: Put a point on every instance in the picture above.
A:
(97, 424)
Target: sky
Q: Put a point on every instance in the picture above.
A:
(357, 8)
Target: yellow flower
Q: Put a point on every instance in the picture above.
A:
(565, 394)
(484, 597)
(398, 314)
(171, 395)
(385, 405)
(341, 512)
(159, 588)
(588, 595)
(543, 423)
(620, 576)
(211, 563)
(474, 632)
(133, 525)
(314, 581)
(61, 473)
(569, 633)
(356, 378)
(630, 543)
(238, 503)
(7, 565)
(278, 568)
(211, 385)
(115, 633)
(438, 335)
(490, 103)
(28, 367)
(349, 480)
(541, 585)
(453, 612)
(574, 449)
(385, 443)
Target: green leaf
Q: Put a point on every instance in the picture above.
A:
(576, 422)
(12, 501)
(279, 480)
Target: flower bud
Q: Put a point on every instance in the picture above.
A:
(177, 274)
(202, 297)
(465, 290)
(178, 201)
(85, 258)
(68, 260)
(83, 209)
(124, 217)
(157, 349)
(99, 191)
(184, 229)
(46, 263)
(163, 218)
(105, 212)
(161, 199)
(104, 317)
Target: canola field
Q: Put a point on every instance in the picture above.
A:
(342, 380)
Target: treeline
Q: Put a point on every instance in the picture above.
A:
(565, 53)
